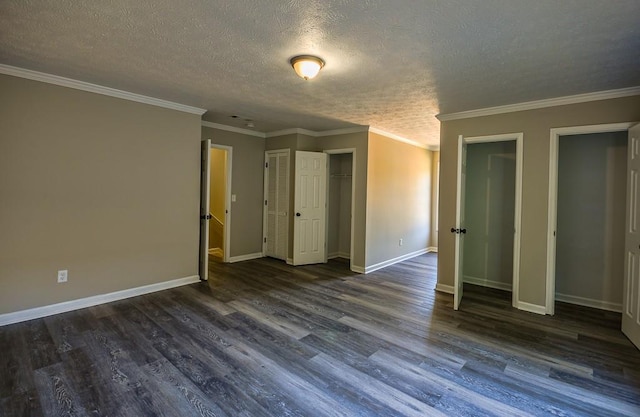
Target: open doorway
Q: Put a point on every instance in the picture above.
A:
(488, 213)
(215, 194)
(340, 205)
(587, 205)
(218, 250)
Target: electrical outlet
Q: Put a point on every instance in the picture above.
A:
(63, 275)
(400, 242)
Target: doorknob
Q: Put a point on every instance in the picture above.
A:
(298, 214)
(454, 230)
(463, 231)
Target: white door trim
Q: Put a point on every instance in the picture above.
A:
(227, 201)
(458, 275)
(204, 210)
(552, 211)
(352, 151)
(517, 220)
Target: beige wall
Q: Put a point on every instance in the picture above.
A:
(217, 188)
(398, 199)
(247, 179)
(435, 187)
(535, 124)
(218, 163)
(103, 187)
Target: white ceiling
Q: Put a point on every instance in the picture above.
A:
(393, 65)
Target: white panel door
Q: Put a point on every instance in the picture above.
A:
(459, 228)
(282, 226)
(309, 226)
(276, 218)
(205, 214)
(631, 290)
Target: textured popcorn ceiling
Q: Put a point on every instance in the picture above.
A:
(393, 65)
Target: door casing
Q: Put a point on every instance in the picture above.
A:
(552, 211)
(519, 139)
(205, 178)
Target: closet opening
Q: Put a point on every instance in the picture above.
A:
(340, 203)
(590, 220)
(490, 214)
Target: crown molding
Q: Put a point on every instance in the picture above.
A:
(317, 134)
(345, 131)
(292, 131)
(540, 104)
(398, 138)
(98, 89)
(233, 129)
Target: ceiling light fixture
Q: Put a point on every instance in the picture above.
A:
(307, 66)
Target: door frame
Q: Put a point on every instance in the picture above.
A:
(552, 210)
(459, 228)
(204, 209)
(265, 187)
(517, 220)
(351, 151)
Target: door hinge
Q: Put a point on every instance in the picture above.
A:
(266, 165)
(265, 240)
(265, 202)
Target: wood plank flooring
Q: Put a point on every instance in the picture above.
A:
(265, 339)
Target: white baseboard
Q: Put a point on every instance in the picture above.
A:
(432, 249)
(589, 302)
(389, 262)
(289, 261)
(49, 310)
(448, 289)
(357, 269)
(488, 283)
(343, 255)
(531, 308)
(246, 257)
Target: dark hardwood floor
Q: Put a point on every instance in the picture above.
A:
(265, 339)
